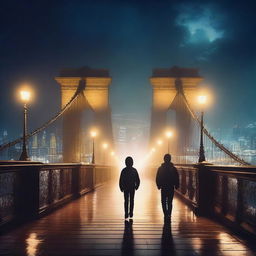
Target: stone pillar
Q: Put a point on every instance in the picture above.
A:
(96, 93)
(165, 84)
(206, 190)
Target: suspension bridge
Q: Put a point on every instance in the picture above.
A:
(214, 209)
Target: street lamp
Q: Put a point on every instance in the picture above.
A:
(202, 101)
(25, 97)
(93, 135)
(168, 134)
(104, 146)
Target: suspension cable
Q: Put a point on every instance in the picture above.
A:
(207, 133)
(79, 91)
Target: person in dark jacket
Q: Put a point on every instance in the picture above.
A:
(166, 179)
(129, 182)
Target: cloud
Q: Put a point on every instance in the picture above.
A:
(201, 22)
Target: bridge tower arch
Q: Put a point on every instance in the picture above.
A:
(165, 84)
(96, 92)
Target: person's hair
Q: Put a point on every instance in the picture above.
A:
(129, 161)
(167, 158)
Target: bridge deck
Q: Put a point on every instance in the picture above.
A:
(94, 225)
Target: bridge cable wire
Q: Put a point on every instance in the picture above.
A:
(78, 92)
(207, 133)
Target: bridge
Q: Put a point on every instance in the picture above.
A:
(69, 202)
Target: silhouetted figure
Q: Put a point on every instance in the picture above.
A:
(166, 179)
(128, 243)
(128, 182)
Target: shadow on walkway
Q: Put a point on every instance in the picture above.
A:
(167, 244)
(128, 242)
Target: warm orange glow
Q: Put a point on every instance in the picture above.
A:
(25, 95)
(153, 150)
(32, 244)
(159, 142)
(94, 133)
(169, 134)
(105, 145)
(112, 153)
(202, 99)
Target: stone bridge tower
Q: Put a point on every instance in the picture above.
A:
(166, 83)
(96, 94)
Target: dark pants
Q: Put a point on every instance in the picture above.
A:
(166, 199)
(129, 198)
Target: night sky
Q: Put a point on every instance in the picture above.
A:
(130, 38)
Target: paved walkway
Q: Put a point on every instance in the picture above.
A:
(94, 225)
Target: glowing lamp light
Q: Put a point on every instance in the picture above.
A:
(202, 99)
(159, 142)
(169, 134)
(112, 153)
(25, 96)
(105, 145)
(93, 134)
(153, 150)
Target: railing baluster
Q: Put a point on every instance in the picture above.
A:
(240, 201)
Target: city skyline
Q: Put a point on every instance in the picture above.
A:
(130, 133)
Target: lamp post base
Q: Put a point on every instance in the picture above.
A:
(24, 156)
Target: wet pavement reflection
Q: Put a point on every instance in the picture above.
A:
(128, 243)
(167, 243)
(32, 244)
(94, 225)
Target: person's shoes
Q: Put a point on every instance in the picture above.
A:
(131, 215)
(126, 216)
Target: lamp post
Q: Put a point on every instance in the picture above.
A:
(168, 135)
(105, 146)
(25, 97)
(93, 135)
(202, 101)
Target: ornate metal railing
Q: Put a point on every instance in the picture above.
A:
(9, 177)
(55, 185)
(225, 192)
(234, 197)
(188, 176)
(28, 191)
